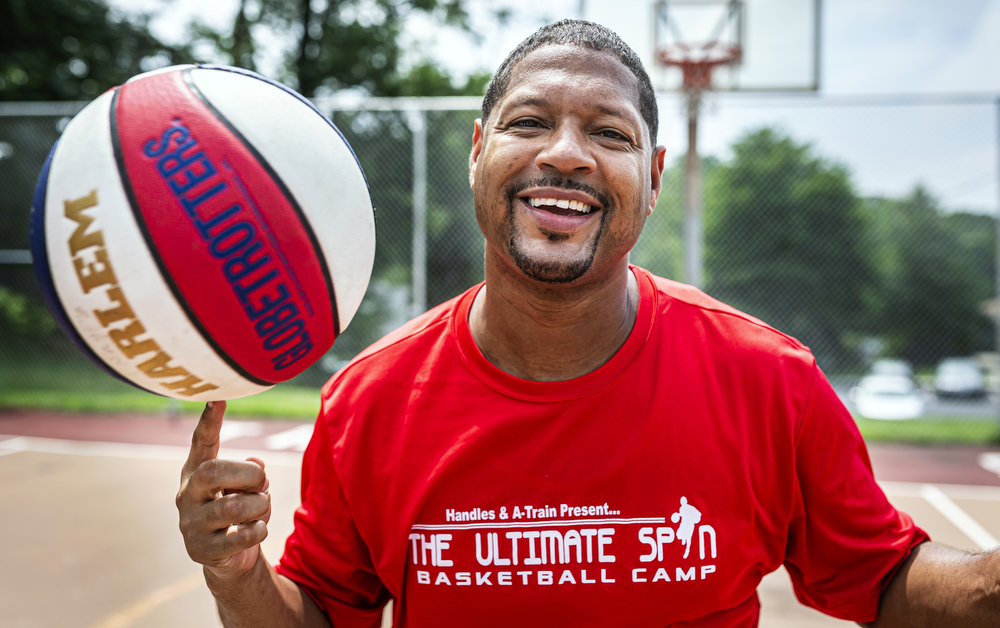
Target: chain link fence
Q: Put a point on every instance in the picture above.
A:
(897, 286)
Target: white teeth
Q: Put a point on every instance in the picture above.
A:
(583, 208)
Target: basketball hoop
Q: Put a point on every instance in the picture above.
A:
(696, 62)
(702, 38)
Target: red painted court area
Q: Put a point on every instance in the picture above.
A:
(89, 520)
(892, 462)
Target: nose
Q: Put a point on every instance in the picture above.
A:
(567, 150)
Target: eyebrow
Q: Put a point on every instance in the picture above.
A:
(535, 101)
(529, 101)
(608, 111)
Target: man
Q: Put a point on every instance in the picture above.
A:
(514, 455)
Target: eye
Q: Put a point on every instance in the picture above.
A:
(611, 134)
(526, 123)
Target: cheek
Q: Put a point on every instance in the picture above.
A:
(490, 207)
(633, 192)
(630, 217)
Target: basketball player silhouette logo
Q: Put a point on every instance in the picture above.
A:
(689, 516)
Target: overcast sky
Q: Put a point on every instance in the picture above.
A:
(868, 47)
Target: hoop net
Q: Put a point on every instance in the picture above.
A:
(697, 61)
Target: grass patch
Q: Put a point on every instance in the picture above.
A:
(932, 430)
(68, 382)
(280, 402)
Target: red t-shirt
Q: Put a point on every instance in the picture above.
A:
(654, 491)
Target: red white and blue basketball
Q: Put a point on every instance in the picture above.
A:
(202, 232)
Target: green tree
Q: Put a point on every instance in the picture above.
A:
(60, 50)
(346, 43)
(976, 237)
(74, 49)
(384, 145)
(660, 248)
(931, 284)
(783, 237)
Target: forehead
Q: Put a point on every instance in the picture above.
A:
(551, 70)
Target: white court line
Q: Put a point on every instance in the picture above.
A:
(956, 491)
(131, 450)
(295, 439)
(239, 429)
(12, 445)
(961, 519)
(990, 461)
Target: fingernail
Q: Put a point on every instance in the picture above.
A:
(209, 404)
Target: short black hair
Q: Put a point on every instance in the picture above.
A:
(576, 33)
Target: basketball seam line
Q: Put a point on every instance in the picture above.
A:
(158, 259)
(43, 271)
(306, 226)
(311, 105)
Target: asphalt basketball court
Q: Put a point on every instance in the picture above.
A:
(89, 532)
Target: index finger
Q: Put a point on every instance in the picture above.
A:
(205, 440)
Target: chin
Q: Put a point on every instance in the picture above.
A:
(558, 271)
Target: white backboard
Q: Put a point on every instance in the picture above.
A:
(780, 39)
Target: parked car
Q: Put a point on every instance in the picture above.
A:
(959, 377)
(888, 397)
(895, 367)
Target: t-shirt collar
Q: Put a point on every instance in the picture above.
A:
(566, 390)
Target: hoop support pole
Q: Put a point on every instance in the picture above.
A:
(693, 225)
(697, 72)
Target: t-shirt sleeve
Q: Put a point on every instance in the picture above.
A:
(325, 554)
(845, 540)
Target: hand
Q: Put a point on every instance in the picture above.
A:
(224, 505)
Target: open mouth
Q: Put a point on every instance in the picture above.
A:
(560, 206)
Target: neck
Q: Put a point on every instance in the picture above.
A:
(553, 333)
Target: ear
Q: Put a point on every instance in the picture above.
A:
(477, 147)
(656, 177)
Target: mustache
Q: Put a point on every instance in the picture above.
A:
(559, 182)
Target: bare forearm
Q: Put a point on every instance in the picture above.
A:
(940, 586)
(263, 598)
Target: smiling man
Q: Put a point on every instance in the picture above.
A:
(575, 441)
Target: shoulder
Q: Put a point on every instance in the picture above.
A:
(402, 350)
(723, 330)
(770, 376)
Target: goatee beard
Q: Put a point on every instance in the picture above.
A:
(553, 272)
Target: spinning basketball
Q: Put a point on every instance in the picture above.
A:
(202, 232)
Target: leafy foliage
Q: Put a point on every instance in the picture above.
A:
(929, 295)
(21, 315)
(783, 232)
(29, 139)
(73, 49)
(384, 145)
(789, 241)
(660, 248)
(342, 44)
